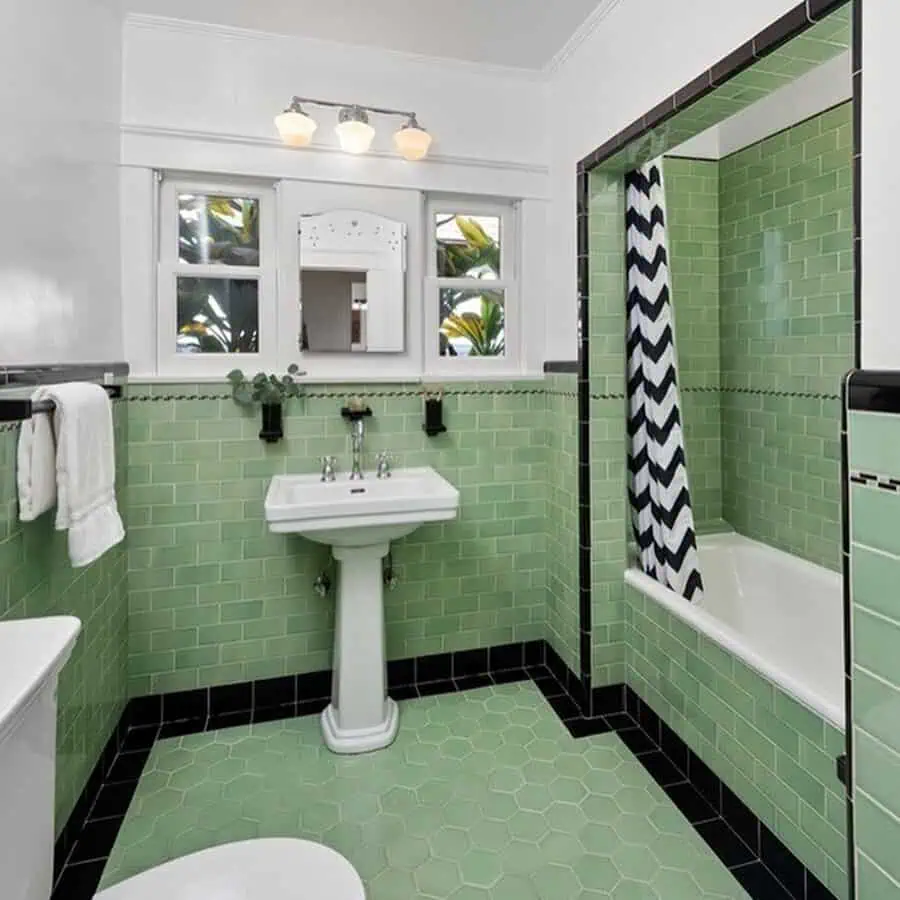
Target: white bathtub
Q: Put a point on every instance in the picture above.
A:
(779, 614)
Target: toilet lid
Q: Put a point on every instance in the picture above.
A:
(269, 868)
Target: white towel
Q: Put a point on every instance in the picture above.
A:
(85, 469)
(36, 469)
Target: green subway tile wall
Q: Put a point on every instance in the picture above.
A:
(36, 579)
(875, 574)
(692, 209)
(562, 517)
(215, 598)
(775, 754)
(610, 527)
(786, 319)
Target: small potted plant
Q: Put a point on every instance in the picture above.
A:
(270, 392)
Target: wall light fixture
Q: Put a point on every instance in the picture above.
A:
(354, 132)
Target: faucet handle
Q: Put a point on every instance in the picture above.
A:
(383, 465)
(328, 464)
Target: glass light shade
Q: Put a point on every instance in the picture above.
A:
(355, 136)
(412, 143)
(296, 128)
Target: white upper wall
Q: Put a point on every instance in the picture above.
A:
(822, 88)
(227, 86)
(524, 33)
(59, 247)
(881, 185)
(641, 52)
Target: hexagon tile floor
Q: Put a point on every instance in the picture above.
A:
(484, 796)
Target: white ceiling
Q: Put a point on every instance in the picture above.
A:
(521, 33)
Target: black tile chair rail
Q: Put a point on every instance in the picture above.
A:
(758, 860)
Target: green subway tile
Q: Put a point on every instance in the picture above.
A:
(877, 771)
(874, 515)
(876, 708)
(873, 881)
(877, 834)
(873, 438)
(875, 642)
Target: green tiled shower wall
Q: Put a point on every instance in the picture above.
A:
(692, 210)
(562, 517)
(786, 268)
(875, 574)
(216, 598)
(610, 527)
(774, 753)
(36, 579)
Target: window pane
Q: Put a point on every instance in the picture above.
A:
(472, 323)
(215, 229)
(467, 246)
(218, 315)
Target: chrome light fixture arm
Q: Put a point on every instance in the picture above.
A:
(297, 127)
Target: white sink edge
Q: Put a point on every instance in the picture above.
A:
(301, 524)
(32, 651)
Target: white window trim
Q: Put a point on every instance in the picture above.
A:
(468, 367)
(186, 365)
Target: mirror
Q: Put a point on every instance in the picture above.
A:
(352, 283)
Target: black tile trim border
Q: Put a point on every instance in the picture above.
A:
(758, 860)
(875, 481)
(790, 25)
(873, 390)
(763, 865)
(561, 367)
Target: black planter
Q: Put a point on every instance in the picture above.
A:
(271, 423)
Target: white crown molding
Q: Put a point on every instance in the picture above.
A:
(186, 26)
(215, 137)
(583, 32)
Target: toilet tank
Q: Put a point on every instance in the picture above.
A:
(32, 652)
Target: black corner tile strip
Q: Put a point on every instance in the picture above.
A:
(560, 367)
(870, 390)
(795, 21)
(731, 65)
(818, 9)
(763, 866)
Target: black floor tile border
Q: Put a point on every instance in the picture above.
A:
(763, 866)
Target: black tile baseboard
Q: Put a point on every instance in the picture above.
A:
(763, 865)
(759, 861)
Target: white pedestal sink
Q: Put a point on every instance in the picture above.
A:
(359, 519)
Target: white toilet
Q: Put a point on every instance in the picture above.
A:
(269, 868)
(32, 652)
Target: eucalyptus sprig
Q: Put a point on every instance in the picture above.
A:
(262, 388)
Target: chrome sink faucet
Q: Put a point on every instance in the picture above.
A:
(357, 433)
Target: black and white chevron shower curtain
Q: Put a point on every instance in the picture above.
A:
(662, 517)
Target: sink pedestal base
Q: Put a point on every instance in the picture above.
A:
(361, 717)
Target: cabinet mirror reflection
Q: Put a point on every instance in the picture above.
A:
(352, 283)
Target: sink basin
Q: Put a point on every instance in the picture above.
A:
(359, 519)
(346, 513)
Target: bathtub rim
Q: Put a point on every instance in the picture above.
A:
(705, 623)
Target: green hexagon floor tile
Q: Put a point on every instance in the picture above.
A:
(483, 796)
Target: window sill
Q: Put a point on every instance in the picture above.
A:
(411, 378)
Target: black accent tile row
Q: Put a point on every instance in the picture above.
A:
(788, 26)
